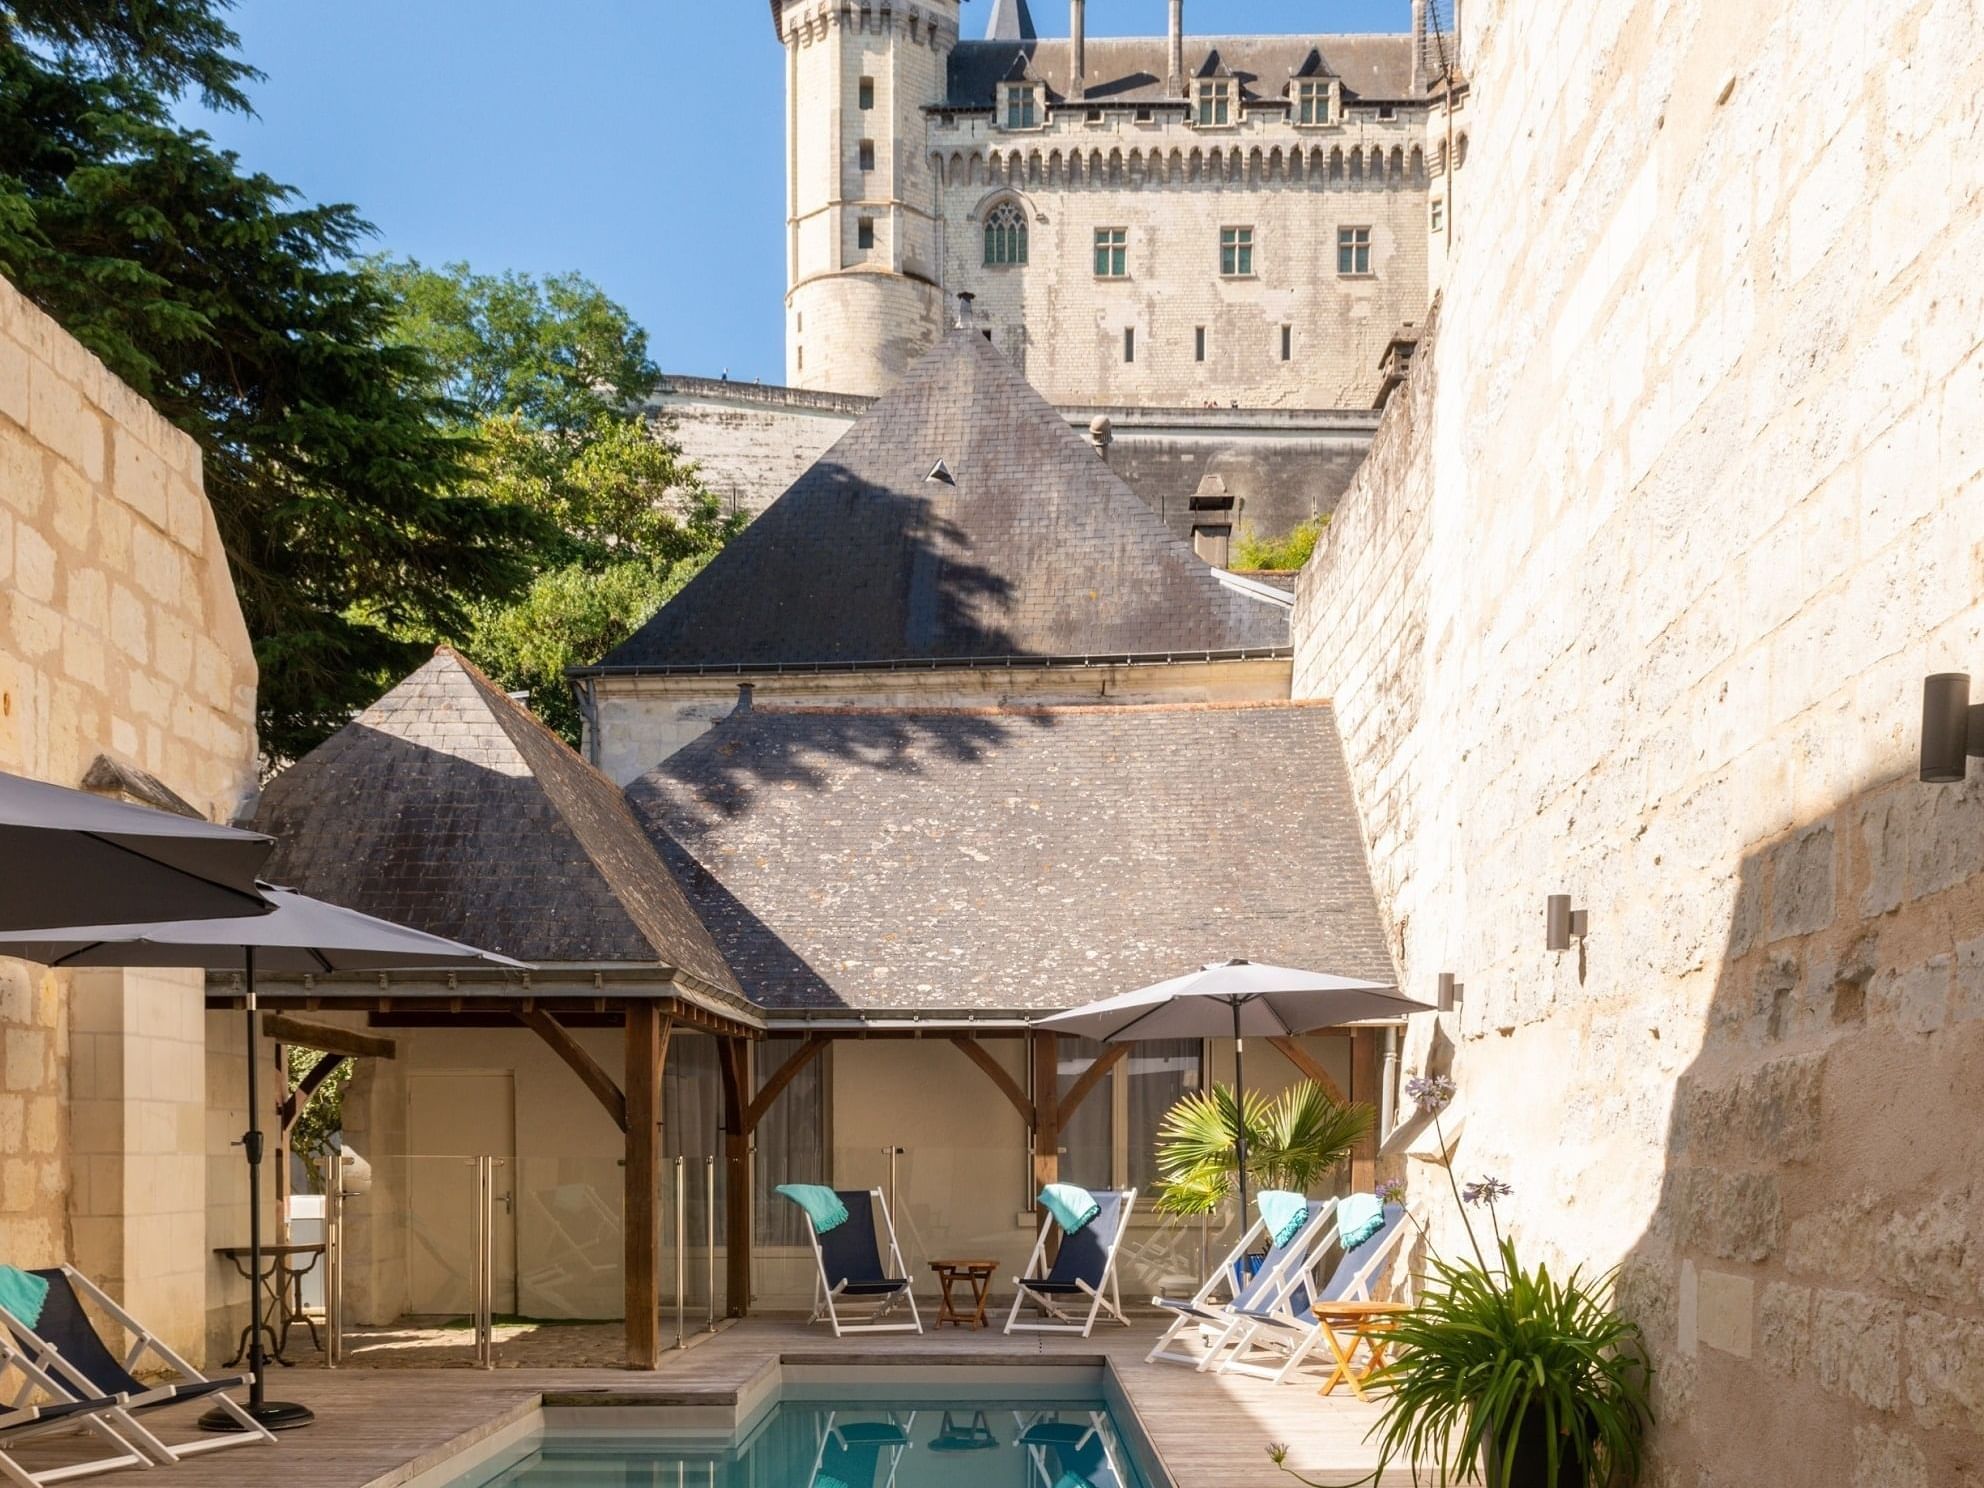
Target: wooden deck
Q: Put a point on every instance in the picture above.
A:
(381, 1428)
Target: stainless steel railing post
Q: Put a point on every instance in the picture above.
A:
(709, 1235)
(334, 1260)
(484, 1264)
(681, 1257)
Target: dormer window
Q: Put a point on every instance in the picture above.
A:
(1022, 105)
(1312, 101)
(1215, 102)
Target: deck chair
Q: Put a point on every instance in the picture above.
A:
(1272, 1336)
(20, 1425)
(1070, 1454)
(850, 1455)
(1211, 1306)
(1083, 1273)
(854, 1291)
(65, 1356)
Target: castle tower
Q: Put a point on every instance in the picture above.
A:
(863, 241)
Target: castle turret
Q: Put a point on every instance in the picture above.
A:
(862, 235)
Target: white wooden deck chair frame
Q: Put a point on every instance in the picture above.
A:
(1280, 1327)
(1209, 1310)
(29, 1421)
(42, 1366)
(1104, 1299)
(851, 1312)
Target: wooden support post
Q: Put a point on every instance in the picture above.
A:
(1364, 1087)
(734, 1062)
(648, 1029)
(1046, 1109)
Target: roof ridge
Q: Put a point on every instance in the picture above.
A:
(1031, 710)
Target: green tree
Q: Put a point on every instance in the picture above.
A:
(336, 465)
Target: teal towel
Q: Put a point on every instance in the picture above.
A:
(1358, 1218)
(1071, 1207)
(822, 1205)
(1285, 1214)
(22, 1294)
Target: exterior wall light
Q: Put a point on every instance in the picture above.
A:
(1952, 728)
(1562, 924)
(1450, 993)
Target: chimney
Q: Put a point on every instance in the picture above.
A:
(745, 692)
(1418, 47)
(1077, 51)
(1101, 434)
(965, 297)
(1176, 82)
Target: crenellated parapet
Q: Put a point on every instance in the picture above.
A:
(924, 23)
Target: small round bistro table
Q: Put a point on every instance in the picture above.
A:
(978, 1274)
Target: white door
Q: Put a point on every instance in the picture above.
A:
(452, 1117)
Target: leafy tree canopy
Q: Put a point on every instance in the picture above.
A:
(335, 464)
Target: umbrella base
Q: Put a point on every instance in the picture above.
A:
(275, 1415)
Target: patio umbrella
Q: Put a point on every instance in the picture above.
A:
(67, 857)
(298, 934)
(1234, 998)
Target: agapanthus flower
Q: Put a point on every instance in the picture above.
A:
(1485, 1191)
(1431, 1093)
(1278, 1452)
(1391, 1191)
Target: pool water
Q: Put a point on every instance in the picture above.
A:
(848, 1443)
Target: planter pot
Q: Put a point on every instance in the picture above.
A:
(1532, 1464)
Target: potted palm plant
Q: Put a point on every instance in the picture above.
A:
(1506, 1374)
(1293, 1141)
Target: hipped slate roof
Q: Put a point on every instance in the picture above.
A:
(1133, 69)
(1026, 544)
(446, 806)
(1014, 860)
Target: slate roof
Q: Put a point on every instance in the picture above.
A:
(1133, 69)
(1014, 860)
(448, 807)
(1031, 547)
(1010, 21)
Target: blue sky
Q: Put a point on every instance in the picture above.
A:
(635, 141)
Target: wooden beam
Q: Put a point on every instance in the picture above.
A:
(327, 1038)
(582, 1064)
(648, 1030)
(293, 1103)
(1091, 1077)
(1308, 1067)
(781, 1077)
(733, 1063)
(1364, 1087)
(996, 1073)
(1047, 1110)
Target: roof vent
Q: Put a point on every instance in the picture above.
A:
(1101, 434)
(965, 297)
(745, 692)
(941, 472)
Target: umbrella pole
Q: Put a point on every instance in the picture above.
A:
(278, 1415)
(1240, 1108)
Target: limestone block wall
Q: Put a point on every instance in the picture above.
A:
(1173, 189)
(750, 442)
(119, 634)
(1632, 601)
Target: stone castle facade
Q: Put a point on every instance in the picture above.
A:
(1172, 221)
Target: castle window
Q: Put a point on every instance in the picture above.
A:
(867, 155)
(1022, 106)
(1005, 235)
(1287, 343)
(867, 93)
(1129, 343)
(1112, 253)
(864, 232)
(1198, 343)
(1215, 101)
(1353, 250)
(1386, 111)
(1439, 214)
(1312, 98)
(1236, 252)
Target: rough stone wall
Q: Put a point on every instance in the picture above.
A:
(119, 633)
(1632, 601)
(1173, 188)
(750, 442)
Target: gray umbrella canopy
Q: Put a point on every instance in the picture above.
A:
(68, 857)
(298, 934)
(1233, 999)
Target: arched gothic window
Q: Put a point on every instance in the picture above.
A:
(1005, 235)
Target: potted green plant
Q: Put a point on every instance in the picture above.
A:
(1293, 1141)
(1506, 1374)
